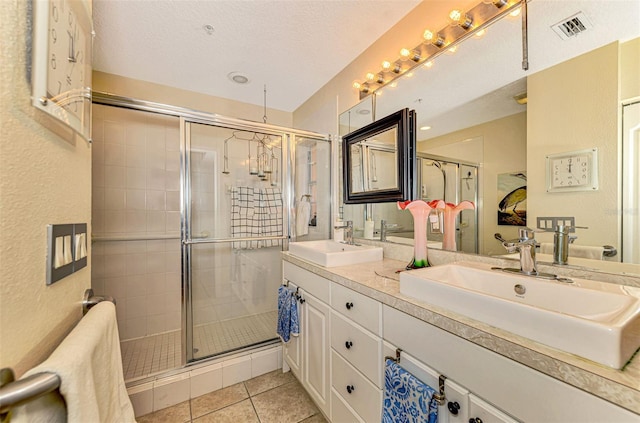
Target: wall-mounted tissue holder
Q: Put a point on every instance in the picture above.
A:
(67, 250)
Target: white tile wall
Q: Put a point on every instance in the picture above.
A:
(136, 190)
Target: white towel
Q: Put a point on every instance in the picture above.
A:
(576, 251)
(585, 251)
(303, 215)
(89, 365)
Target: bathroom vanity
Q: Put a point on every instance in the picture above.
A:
(353, 316)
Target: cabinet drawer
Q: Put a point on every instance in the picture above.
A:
(310, 282)
(487, 413)
(341, 412)
(361, 395)
(357, 346)
(361, 309)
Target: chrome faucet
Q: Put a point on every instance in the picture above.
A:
(348, 232)
(561, 241)
(526, 246)
(385, 229)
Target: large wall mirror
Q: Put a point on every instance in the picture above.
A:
(378, 160)
(493, 124)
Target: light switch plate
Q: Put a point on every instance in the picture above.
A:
(67, 250)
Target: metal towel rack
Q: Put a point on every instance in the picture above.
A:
(18, 392)
(439, 396)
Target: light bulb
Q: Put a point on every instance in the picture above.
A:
(455, 15)
(356, 85)
(386, 65)
(435, 39)
(428, 35)
(405, 53)
(371, 76)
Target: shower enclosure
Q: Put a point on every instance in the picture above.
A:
(190, 214)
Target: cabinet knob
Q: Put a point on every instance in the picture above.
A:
(475, 420)
(349, 306)
(453, 407)
(351, 388)
(348, 344)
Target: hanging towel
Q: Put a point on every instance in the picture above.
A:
(586, 251)
(89, 365)
(576, 251)
(406, 398)
(288, 322)
(302, 218)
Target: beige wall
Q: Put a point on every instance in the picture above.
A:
(44, 178)
(504, 150)
(142, 90)
(563, 116)
(630, 62)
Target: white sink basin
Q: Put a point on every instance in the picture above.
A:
(594, 320)
(330, 253)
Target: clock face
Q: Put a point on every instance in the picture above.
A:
(573, 171)
(570, 171)
(67, 52)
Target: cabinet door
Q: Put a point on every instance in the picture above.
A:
(293, 349)
(315, 352)
(481, 411)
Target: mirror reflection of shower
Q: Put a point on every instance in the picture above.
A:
(452, 181)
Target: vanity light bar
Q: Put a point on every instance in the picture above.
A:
(463, 25)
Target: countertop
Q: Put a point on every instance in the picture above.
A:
(380, 281)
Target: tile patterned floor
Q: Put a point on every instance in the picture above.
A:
(155, 354)
(275, 397)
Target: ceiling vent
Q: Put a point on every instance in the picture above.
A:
(570, 27)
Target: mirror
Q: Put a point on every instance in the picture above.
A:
(379, 161)
(569, 108)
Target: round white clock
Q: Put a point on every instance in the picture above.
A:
(573, 171)
(62, 62)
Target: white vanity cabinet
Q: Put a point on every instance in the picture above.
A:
(356, 357)
(308, 355)
(500, 390)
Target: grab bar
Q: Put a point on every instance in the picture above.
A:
(91, 300)
(17, 392)
(226, 240)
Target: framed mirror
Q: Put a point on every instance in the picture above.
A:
(389, 144)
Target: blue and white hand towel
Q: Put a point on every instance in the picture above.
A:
(288, 322)
(406, 398)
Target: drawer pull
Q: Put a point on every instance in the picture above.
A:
(351, 388)
(475, 420)
(348, 344)
(349, 306)
(453, 407)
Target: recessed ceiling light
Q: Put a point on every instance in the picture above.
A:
(209, 29)
(425, 128)
(238, 78)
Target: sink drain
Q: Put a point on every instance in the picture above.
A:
(520, 289)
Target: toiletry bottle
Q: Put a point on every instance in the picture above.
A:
(368, 229)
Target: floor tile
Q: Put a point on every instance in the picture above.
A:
(270, 380)
(218, 399)
(241, 412)
(286, 403)
(179, 413)
(316, 418)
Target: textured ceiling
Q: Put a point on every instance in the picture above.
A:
(294, 47)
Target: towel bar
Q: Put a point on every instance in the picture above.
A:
(396, 359)
(440, 396)
(17, 392)
(91, 300)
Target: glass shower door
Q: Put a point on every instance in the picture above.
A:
(233, 231)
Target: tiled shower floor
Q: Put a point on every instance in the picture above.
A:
(154, 354)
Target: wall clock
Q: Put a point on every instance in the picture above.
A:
(573, 171)
(61, 72)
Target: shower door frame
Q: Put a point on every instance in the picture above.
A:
(289, 136)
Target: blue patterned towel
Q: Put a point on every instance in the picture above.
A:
(288, 322)
(406, 398)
